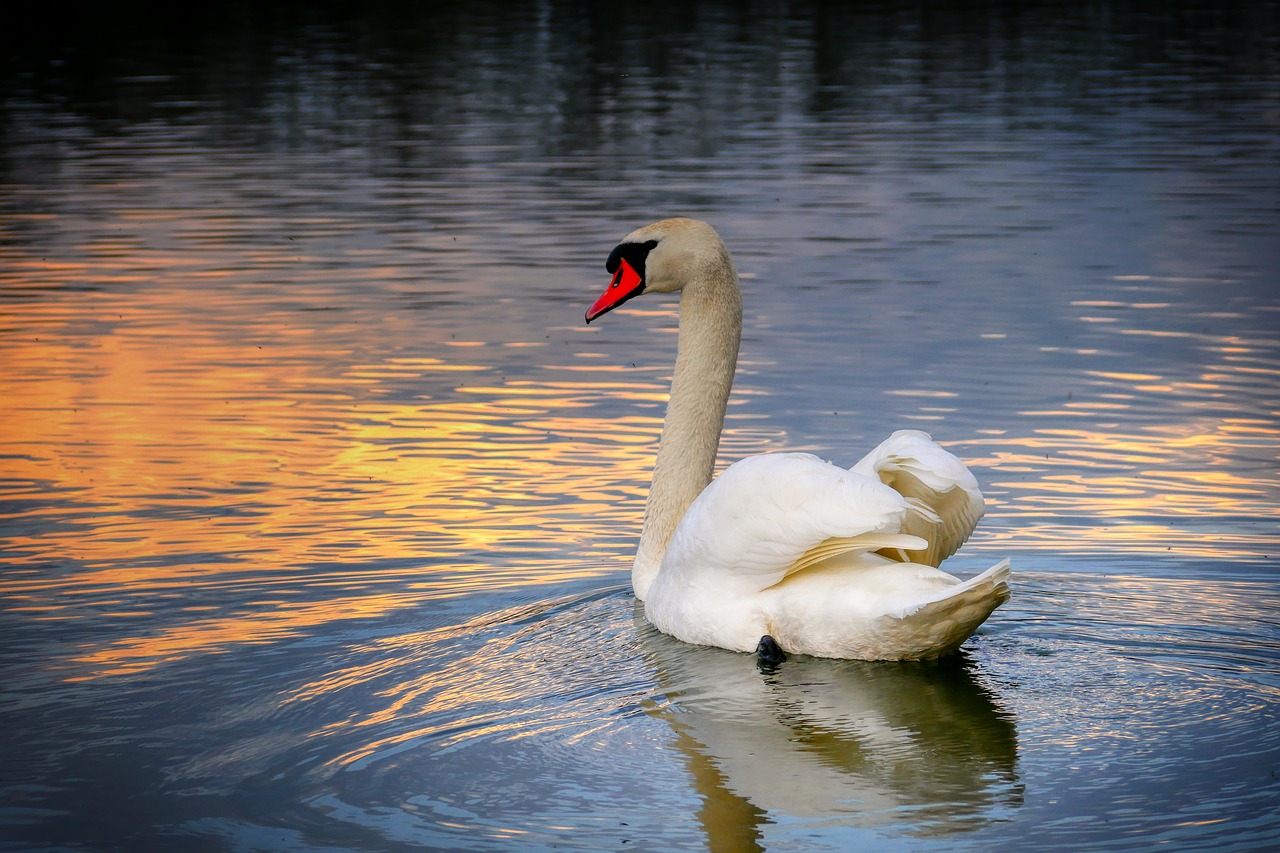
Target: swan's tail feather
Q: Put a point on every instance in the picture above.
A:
(938, 626)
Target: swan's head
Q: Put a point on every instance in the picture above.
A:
(662, 257)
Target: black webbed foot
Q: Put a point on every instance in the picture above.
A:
(769, 653)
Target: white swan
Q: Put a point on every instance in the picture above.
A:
(785, 551)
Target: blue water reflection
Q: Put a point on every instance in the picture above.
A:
(317, 498)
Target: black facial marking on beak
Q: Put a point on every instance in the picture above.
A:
(635, 254)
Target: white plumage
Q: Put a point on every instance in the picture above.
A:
(828, 561)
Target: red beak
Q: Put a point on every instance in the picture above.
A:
(626, 284)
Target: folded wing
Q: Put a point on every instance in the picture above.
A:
(944, 503)
(767, 517)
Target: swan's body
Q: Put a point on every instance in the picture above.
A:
(827, 561)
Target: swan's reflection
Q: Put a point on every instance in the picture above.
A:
(839, 742)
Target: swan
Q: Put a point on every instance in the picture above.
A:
(785, 553)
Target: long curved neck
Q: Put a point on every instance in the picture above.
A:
(706, 357)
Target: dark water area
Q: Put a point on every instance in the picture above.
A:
(318, 498)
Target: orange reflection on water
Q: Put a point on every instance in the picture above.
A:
(286, 619)
(227, 462)
(175, 465)
(1081, 491)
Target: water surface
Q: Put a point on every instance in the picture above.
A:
(317, 497)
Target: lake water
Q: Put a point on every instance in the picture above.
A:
(317, 497)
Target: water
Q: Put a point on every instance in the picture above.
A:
(317, 496)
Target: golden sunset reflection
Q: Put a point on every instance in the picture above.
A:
(161, 455)
(1081, 491)
(194, 466)
(239, 461)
